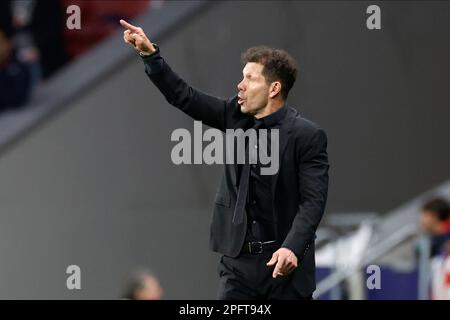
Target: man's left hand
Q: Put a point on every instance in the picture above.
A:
(284, 260)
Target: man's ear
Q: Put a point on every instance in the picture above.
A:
(275, 89)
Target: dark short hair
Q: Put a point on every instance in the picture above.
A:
(438, 206)
(278, 66)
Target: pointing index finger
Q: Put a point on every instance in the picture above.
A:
(128, 26)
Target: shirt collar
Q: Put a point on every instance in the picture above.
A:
(274, 118)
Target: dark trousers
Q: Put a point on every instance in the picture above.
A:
(247, 277)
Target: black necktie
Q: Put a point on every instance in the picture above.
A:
(238, 216)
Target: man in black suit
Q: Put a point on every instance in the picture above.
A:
(260, 221)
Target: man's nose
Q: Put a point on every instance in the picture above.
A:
(240, 86)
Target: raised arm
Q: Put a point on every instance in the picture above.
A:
(200, 106)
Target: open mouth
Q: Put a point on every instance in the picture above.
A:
(241, 101)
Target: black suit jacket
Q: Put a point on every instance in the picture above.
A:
(299, 188)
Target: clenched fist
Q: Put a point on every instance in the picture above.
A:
(136, 37)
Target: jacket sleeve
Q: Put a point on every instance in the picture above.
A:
(198, 105)
(313, 188)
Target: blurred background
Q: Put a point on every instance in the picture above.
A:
(86, 176)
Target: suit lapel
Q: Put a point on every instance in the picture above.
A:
(285, 131)
(244, 123)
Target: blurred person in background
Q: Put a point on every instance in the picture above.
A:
(31, 47)
(15, 77)
(435, 222)
(38, 35)
(47, 24)
(143, 285)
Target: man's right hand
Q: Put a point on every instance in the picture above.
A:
(136, 38)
